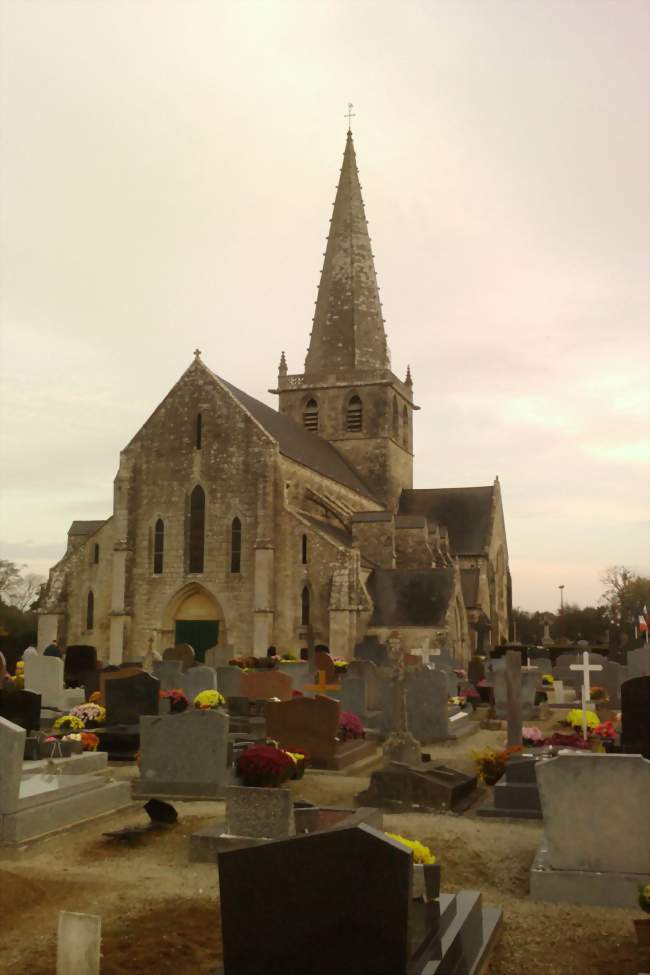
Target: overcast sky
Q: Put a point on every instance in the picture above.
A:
(168, 170)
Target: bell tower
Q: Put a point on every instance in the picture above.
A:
(348, 394)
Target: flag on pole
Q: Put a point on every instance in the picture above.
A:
(643, 620)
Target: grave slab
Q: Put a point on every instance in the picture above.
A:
(183, 755)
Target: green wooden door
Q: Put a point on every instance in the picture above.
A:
(200, 634)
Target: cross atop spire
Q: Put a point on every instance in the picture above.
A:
(348, 329)
(197, 353)
(350, 115)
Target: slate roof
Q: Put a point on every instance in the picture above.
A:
(469, 585)
(465, 512)
(299, 444)
(410, 597)
(85, 527)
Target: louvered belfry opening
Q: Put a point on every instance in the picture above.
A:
(355, 415)
(310, 416)
(158, 547)
(197, 529)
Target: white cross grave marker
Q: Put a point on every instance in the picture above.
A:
(585, 667)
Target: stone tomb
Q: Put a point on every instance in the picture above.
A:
(261, 685)
(184, 756)
(516, 794)
(129, 695)
(635, 716)
(315, 880)
(596, 847)
(416, 788)
(36, 804)
(311, 725)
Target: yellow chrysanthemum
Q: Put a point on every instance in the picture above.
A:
(421, 853)
(209, 700)
(574, 718)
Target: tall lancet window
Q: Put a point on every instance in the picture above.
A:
(235, 545)
(197, 529)
(355, 415)
(310, 416)
(395, 419)
(90, 610)
(304, 550)
(198, 431)
(158, 547)
(405, 422)
(305, 606)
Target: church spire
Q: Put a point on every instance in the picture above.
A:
(348, 330)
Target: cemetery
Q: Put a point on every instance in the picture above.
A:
(535, 816)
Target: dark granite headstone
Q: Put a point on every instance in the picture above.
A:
(80, 661)
(128, 697)
(371, 649)
(424, 787)
(635, 712)
(22, 708)
(315, 880)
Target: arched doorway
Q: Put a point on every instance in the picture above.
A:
(194, 616)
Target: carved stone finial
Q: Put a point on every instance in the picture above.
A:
(408, 381)
(197, 353)
(282, 368)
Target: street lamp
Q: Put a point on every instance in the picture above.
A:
(561, 588)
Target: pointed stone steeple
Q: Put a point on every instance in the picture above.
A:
(348, 330)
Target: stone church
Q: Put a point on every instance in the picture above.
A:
(241, 526)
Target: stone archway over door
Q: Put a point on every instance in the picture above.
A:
(194, 616)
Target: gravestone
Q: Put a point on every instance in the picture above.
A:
(229, 681)
(595, 851)
(367, 671)
(516, 794)
(638, 662)
(426, 705)
(183, 652)
(476, 671)
(169, 673)
(219, 656)
(116, 673)
(371, 649)
(78, 946)
(513, 694)
(611, 678)
(259, 813)
(80, 661)
(22, 708)
(183, 755)
(297, 671)
(197, 679)
(352, 696)
(261, 685)
(127, 698)
(30, 652)
(562, 670)
(12, 747)
(44, 676)
(325, 664)
(310, 724)
(635, 716)
(530, 680)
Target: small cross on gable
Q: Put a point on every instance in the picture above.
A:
(586, 669)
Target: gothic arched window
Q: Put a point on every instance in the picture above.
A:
(405, 421)
(310, 416)
(198, 431)
(304, 606)
(158, 547)
(90, 610)
(355, 415)
(395, 419)
(235, 545)
(304, 550)
(197, 529)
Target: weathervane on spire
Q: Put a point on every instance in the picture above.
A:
(350, 115)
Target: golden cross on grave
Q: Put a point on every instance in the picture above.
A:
(321, 684)
(350, 115)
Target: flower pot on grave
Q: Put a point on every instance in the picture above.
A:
(642, 928)
(426, 881)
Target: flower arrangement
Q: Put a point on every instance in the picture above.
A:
(96, 698)
(178, 701)
(300, 760)
(605, 731)
(209, 700)
(492, 764)
(297, 694)
(460, 673)
(265, 765)
(89, 741)
(350, 726)
(289, 658)
(459, 699)
(68, 722)
(421, 853)
(91, 714)
(574, 718)
(340, 665)
(574, 740)
(644, 898)
(599, 694)
(548, 680)
(532, 737)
